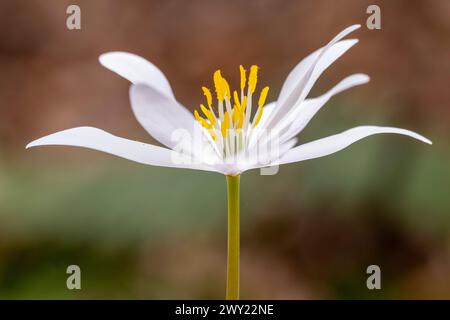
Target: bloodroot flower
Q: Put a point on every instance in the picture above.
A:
(239, 132)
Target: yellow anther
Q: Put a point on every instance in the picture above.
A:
(240, 124)
(225, 124)
(226, 89)
(208, 96)
(244, 104)
(234, 114)
(240, 121)
(202, 121)
(206, 125)
(204, 110)
(236, 99)
(218, 84)
(237, 116)
(253, 78)
(213, 134)
(208, 114)
(243, 73)
(258, 116)
(197, 116)
(263, 96)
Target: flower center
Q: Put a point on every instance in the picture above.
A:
(230, 126)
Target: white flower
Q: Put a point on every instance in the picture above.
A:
(229, 138)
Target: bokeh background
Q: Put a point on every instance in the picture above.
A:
(308, 232)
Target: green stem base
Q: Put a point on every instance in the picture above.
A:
(233, 238)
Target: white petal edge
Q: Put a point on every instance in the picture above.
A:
(337, 142)
(311, 71)
(304, 86)
(303, 111)
(137, 70)
(298, 71)
(97, 139)
(296, 121)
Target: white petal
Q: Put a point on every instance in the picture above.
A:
(159, 115)
(266, 155)
(307, 73)
(305, 84)
(167, 121)
(299, 71)
(337, 142)
(300, 117)
(301, 68)
(93, 138)
(267, 111)
(296, 74)
(137, 70)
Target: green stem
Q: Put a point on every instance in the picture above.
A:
(233, 238)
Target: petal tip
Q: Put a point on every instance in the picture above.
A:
(106, 58)
(365, 78)
(419, 137)
(361, 78)
(354, 27)
(352, 41)
(31, 145)
(102, 57)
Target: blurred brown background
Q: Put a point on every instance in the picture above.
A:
(143, 232)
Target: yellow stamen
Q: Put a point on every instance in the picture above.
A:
(236, 100)
(253, 78)
(226, 89)
(202, 121)
(225, 125)
(208, 96)
(243, 76)
(235, 114)
(240, 121)
(263, 96)
(208, 114)
(238, 109)
(197, 116)
(258, 116)
(213, 134)
(244, 104)
(218, 84)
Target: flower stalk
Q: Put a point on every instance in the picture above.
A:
(233, 238)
